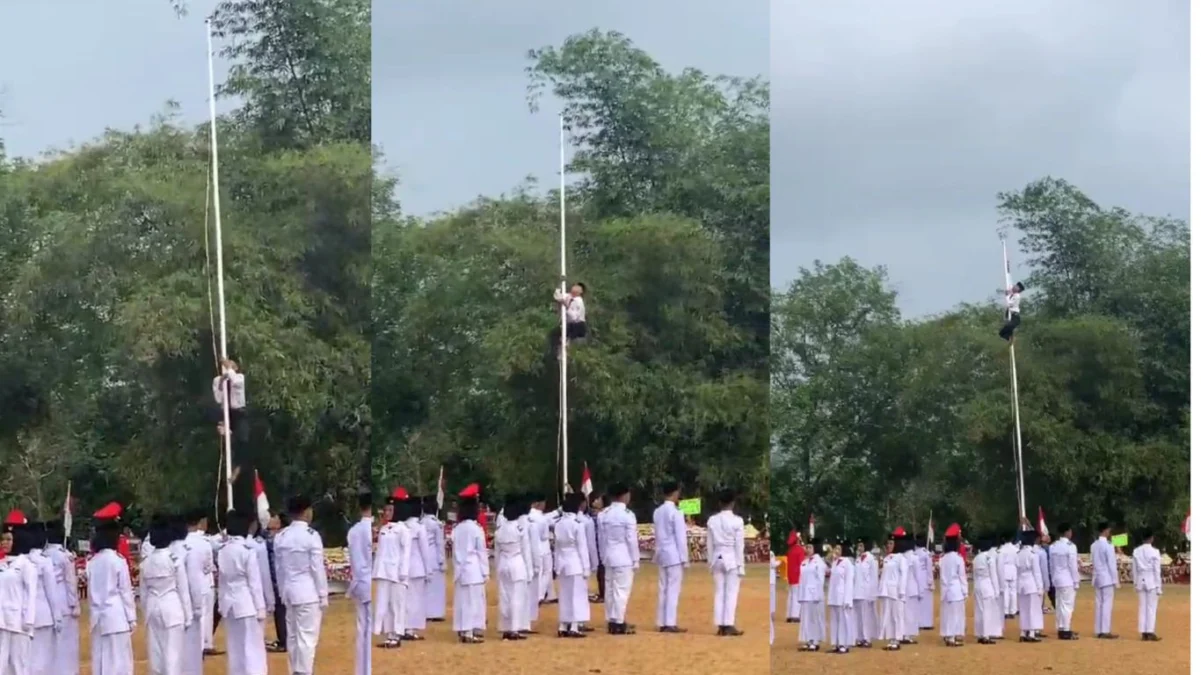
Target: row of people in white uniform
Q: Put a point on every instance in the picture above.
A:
(39, 601)
(870, 599)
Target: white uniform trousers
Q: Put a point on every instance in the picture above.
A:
(892, 619)
(15, 652)
(1009, 597)
(842, 626)
(66, 648)
(389, 608)
(619, 581)
(574, 608)
(952, 617)
(913, 612)
(813, 622)
(1065, 605)
(112, 654)
(414, 616)
(865, 620)
(41, 652)
(726, 584)
(304, 630)
(1030, 612)
(793, 608)
(988, 622)
(435, 595)
(671, 580)
(1103, 612)
(207, 605)
(471, 608)
(927, 614)
(1148, 605)
(164, 647)
(193, 649)
(362, 638)
(513, 605)
(546, 577)
(245, 647)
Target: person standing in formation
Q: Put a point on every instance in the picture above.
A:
(1007, 567)
(619, 552)
(1044, 568)
(1065, 577)
(112, 613)
(300, 568)
(572, 565)
(926, 577)
(989, 621)
(1030, 590)
(867, 579)
(166, 603)
(915, 587)
(1105, 582)
(358, 547)
(66, 590)
(952, 571)
(51, 612)
(390, 571)
(198, 560)
(841, 598)
(796, 557)
(435, 540)
(540, 545)
(813, 591)
(589, 520)
(671, 555)
(421, 565)
(726, 556)
(600, 504)
(1148, 585)
(241, 598)
(513, 570)
(891, 592)
(471, 569)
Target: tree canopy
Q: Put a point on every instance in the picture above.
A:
(668, 226)
(879, 421)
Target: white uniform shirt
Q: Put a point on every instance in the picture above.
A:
(984, 575)
(725, 542)
(392, 553)
(1013, 303)
(435, 541)
(1007, 560)
(619, 538)
(813, 578)
(571, 547)
(240, 586)
(264, 559)
(300, 565)
(1105, 564)
(164, 589)
(512, 551)
(237, 391)
(470, 553)
(575, 307)
(49, 612)
(1030, 578)
(66, 582)
(111, 606)
(1065, 565)
(358, 549)
(421, 561)
(590, 533)
(867, 576)
(671, 536)
(1148, 572)
(842, 583)
(953, 573)
(894, 573)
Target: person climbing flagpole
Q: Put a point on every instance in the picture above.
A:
(1011, 311)
(227, 435)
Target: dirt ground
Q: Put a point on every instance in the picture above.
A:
(647, 652)
(1087, 655)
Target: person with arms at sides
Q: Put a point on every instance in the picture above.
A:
(1044, 568)
(1065, 577)
(577, 320)
(619, 552)
(1013, 311)
(540, 545)
(589, 520)
(796, 558)
(1007, 568)
(358, 546)
(421, 566)
(813, 591)
(166, 604)
(241, 598)
(1148, 585)
(915, 586)
(264, 559)
(300, 568)
(66, 590)
(51, 612)
(989, 622)
(435, 540)
(1105, 582)
(671, 555)
(725, 554)
(841, 598)
(867, 579)
(894, 573)
(198, 562)
(390, 571)
(952, 571)
(471, 569)
(112, 613)
(18, 597)
(572, 566)
(926, 611)
(1030, 590)
(600, 504)
(513, 561)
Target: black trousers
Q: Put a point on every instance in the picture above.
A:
(600, 581)
(281, 623)
(1015, 320)
(575, 331)
(1051, 595)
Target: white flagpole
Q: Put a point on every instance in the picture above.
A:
(563, 290)
(1017, 416)
(228, 436)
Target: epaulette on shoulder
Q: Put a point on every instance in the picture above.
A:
(313, 532)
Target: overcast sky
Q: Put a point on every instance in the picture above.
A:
(449, 87)
(69, 69)
(895, 124)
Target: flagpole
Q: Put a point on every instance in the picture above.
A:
(228, 432)
(563, 291)
(1013, 376)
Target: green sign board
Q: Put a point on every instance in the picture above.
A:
(1120, 540)
(690, 507)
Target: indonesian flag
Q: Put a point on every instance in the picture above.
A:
(441, 487)
(1042, 523)
(812, 532)
(1187, 526)
(67, 512)
(930, 530)
(260, 501)
(586, 482)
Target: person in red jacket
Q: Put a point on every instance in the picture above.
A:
(796, 556)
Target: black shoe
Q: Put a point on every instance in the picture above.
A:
(1107, 636)
(907, 641)
(793, 621)
(277, 647)
(892, 647)
(732, 632)
(585, 628)
(411, 637)
(612, 629)
(672, 629)
(510, 636)
(436, 620)
(527, 633)
(213, 652)
(1028, 638)
(1040, 635)
(624, 629)
(471, 639)
(1152, 637)
(389, 644)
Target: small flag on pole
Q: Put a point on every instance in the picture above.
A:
(67, 512)
(1187, 526)
(1042, 523)
(812, 529)
(586, 482)
(930, 531)
(260, 501)
(441, 487)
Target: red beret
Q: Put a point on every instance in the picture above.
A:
(400, 493)
(899, 532)
(111, 510)
(15, 517)
(953, 530)
(472, 490)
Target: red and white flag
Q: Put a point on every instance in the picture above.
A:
(260, 501)
(930, 531)
(812, 530)
(1187, 526)
(441, 487)
(67, 512)
(1042, 523)
(586, 482)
